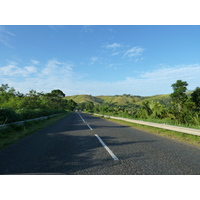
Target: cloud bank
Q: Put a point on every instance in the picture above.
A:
(61, 75)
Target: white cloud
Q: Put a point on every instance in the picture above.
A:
(149, 83)
(134, 52)
(5, 36)
(114, 66)
(12, 62)
(13, 70)
(179, 72)
(113, 46)
(54, 75)
(30, 69)
(35, 62)
(115, 53)
(125, 51)
(93, 60)
(60, 75)
(54, 67)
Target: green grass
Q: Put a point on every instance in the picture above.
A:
(154, 120)
(170, 122)
(15, 132)
(183, 137)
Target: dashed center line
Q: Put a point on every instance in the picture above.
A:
(85, 122)
(81, 117)
(106, 147)
(101, 141)
(89, 126)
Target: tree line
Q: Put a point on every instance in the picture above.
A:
(16, 106)
(183, 108)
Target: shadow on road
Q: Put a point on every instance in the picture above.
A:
(65, 147)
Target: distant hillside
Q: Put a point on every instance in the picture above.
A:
(84, 98)
(163, 98)
(122, 99)
(117, 99)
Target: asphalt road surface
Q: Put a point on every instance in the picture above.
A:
(81, 144)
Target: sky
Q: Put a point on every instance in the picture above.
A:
(97, 60)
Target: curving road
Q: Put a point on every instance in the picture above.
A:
(83, 144)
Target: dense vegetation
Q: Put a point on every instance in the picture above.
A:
(15, 106)
(178, 108)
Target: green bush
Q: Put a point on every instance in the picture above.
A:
(8, 115)
(16, 127)
(25, 113)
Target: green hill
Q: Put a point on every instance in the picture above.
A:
(163, 98)
(117, 99)
(120, 100)
(84, 98)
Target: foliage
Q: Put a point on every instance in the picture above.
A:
(196, 98)
(89, 106)
(15, 106)
(179, 95)
(177, 108)
(183, 109)
(8, 115)
(58, 93)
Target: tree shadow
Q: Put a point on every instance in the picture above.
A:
(61, 148)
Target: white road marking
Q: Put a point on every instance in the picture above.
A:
(101, 141)
(106, 147)
(89, 126)
(81, 118)
(85, 122)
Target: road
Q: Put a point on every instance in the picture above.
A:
(81, 144)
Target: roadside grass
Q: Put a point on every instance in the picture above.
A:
(183, 137)
(15, 132)
(170, 122)
(151, 119)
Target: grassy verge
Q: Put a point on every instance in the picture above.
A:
(151, 119)
(183, 137)
(15, 132)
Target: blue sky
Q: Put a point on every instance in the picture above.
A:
(99, 59)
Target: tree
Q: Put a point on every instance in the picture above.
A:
(153, 109)
(195, 97)
(179, 96)
(71, 105)
(89, 105)
(31, 100)
(58, 93)
(3, 88)
(7, 95)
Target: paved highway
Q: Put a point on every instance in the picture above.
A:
(83, 144)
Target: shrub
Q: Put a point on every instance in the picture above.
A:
(8, 115)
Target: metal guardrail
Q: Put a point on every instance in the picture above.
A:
(157, 125)
(21, 122)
